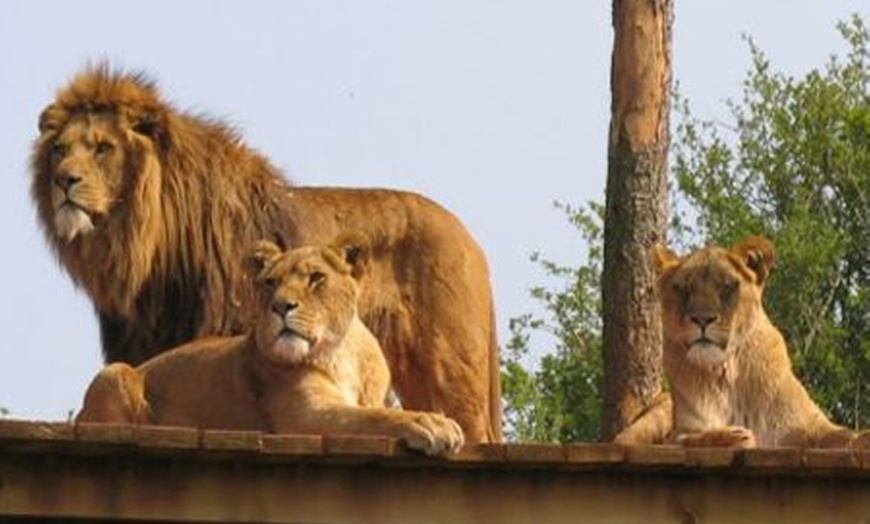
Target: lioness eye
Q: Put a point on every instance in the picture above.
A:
(104, 147)
(316, 279)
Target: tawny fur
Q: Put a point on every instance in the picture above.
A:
(327, 375)
(737, 388)
(164, 203)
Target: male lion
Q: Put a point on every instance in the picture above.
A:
(309, 365)
(731, 378)
(149, 209)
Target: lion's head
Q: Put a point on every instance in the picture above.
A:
(97, 181)
(711, 298)
(129, 196)
(308, 297)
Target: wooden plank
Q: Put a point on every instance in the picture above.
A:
(35, 431)
(655, 456)
(166, 438)
(537, 454)
(105, 433)
(595, 454)
(34, 436)
(837, 459)
(356, 446)
(144, 473)
(227, 440)
(148, 488)
(477, 453)
(773, 459)
(713, 458)
(288, 446)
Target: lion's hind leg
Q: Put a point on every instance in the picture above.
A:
(117, 394)
(652, 426)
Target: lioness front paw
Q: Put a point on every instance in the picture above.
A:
(728, 437)
(433, 433)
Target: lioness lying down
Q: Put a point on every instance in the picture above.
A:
(731, 378)
(309, 366)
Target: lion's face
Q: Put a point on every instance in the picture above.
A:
(308, 300)
(83, 175)
(710, 298)
(97, 181)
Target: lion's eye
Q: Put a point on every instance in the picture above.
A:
(58, 150)
(730, 288)
(104, 147)
(316, 278)
(270, 284)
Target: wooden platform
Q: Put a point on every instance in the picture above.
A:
(147, 474)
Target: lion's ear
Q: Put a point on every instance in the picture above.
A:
(261, 256)
(354, 250)
(759, 256)
(49, 119)
(662, 258)
(150, 123)
(146, 123)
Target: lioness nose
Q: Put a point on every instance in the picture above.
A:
(704, 319)
(65, 180)
(282, 307)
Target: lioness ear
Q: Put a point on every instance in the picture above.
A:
(662, 258)
(262, 256)
(759, 256)
(354, 249)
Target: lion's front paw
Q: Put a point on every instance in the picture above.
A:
(861, 441)
(433, 434)
(727, 437)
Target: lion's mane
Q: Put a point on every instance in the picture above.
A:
(171, 240)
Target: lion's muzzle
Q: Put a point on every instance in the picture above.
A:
(65, 180)
(70, 220)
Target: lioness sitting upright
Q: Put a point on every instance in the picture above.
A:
(731, 379)
(309, 365)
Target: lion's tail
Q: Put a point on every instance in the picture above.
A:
(495, 407)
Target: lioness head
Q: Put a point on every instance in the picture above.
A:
(308, 298)
(711, 297)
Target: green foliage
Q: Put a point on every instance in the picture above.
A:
(794, 165)
(560, 401)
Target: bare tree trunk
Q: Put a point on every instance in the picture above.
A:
(636, 208)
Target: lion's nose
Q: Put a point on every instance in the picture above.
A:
(65, 180)
(283, 307)
(704, 319)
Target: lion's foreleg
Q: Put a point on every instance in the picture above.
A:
(431, 433)
(117, 394)
(728, 436)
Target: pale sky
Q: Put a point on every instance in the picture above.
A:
(494, 108)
